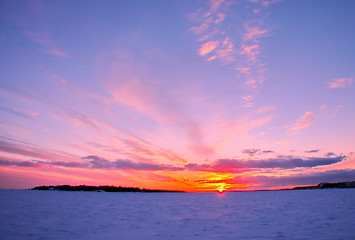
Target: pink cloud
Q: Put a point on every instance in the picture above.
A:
(26, 149)
(24, 114)
(247, 101)
(48, 44)
(265, 109)
(55, 52)
(249, 52)
(222, 50)
(253, 32)
(216, 4)
(149, 100)
(214, 39)
(341, 82)
(245, 70)
(58, 80)
(225, 52)
(199, 29)
(264, 2)
(220, 18)
(225, 135)
(208, 47)
(304, 122)
(252, 51)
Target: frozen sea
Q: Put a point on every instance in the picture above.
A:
(302, 214)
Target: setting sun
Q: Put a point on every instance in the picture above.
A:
(220, 189)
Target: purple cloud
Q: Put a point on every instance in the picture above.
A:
(5, 162)
(312, 151)
(251, 152)
(238, 165)
(98, 162)
(268, 151)
(38, 163)
(30, 150)
(18, 113)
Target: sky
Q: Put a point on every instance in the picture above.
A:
(177, 95)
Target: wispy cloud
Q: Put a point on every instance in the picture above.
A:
(35, 24)
(55, 52)
(137, 148)
(82, 118)
(217, 42)
(24, 114)
(98, 162)
(30, 150)
(208, 47)
(216, 4)
(312, 151)
(250, 42)
(340, 82)
(241, 165)
(149, 100)
(251, 67)
(304, 122)
(6, 162)
(248, 100)
(48, 44)
(251, 152)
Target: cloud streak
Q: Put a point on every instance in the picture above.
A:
(304, 122)
(208, 47)
(19, 113)
(98, 162)
(28, 150)
(240, 165)
(149, 100)
(340, 82)
(39, 163)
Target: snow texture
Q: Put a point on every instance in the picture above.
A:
(303, 214)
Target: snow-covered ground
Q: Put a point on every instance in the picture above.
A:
(304, 214)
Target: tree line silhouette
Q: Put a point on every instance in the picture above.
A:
(96, 188)
(328, 185)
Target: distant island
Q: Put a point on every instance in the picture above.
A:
(327, 185)
(97, 189)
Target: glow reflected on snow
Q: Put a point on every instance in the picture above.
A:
(303, 214)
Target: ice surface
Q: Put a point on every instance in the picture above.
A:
(303, 214)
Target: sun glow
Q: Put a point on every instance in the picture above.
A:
(220, 189)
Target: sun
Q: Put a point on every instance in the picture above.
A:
(220, 189)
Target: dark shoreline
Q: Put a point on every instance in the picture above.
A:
(133, 189)
(328, 185)
(97, 189)
(324, 185)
